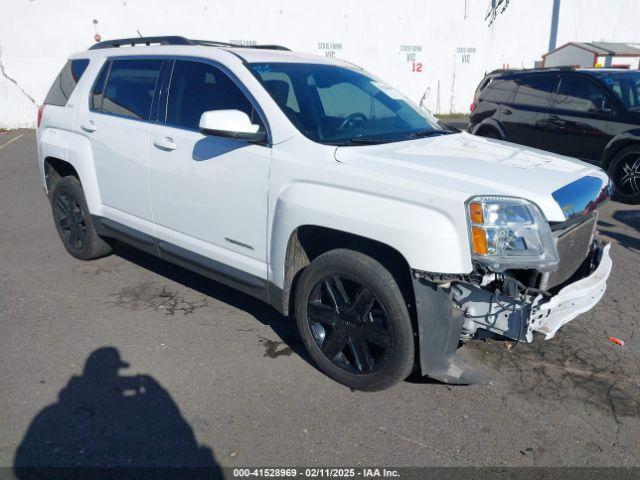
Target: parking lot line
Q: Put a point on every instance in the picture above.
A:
(11, 141)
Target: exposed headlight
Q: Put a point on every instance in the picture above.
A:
(510, 232)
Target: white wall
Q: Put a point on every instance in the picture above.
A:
(455, 49)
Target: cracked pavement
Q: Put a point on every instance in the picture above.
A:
(241, 381)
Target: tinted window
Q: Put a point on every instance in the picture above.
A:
(130, 87)
(337, 105)
(66, 82)
(625, 86)
(98, 87)
(579, 94)
(198, 87)
(535, 90)
(498, 91)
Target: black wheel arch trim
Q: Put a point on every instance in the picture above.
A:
(617, 143)
(439, 327)
(491, 123)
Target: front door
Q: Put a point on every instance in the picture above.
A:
(209, 193)
(576, 125)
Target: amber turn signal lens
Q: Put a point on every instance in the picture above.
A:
(475, 213)
(479, 241)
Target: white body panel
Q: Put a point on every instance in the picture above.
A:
(209, 195)
(408, 195)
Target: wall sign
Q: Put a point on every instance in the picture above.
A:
(465, 54)
(412, 56)
(329, 49)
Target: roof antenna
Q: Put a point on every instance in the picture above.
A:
(139, 34)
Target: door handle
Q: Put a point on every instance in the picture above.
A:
(89, 126)
(506, 111)
(165, 143)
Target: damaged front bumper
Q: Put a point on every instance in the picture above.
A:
(517, 317)
(448, 312)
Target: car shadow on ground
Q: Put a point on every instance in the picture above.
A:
(282, 326)
(106, 425)
(629, 218)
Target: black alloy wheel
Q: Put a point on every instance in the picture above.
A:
(74, 222)
(70, 220)
(349, 324)
(354, 320)
(626, 174)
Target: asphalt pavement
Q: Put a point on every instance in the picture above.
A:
(217, 377)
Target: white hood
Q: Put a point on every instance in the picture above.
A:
(466, 165)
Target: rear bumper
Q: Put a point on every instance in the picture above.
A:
(572, 300)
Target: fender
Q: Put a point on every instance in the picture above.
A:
(427, 238)
(76, 150)
(618, 142)
(493, 123)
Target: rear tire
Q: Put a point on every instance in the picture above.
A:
(354, 321)
(73, 221)
(624, 170)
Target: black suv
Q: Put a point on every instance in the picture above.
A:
(591, 114)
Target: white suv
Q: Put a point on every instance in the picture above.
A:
(312, 185)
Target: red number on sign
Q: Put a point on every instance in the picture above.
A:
(416, 67)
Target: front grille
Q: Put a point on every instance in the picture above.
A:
(573, 244)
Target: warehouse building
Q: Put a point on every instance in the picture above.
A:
(594, 54)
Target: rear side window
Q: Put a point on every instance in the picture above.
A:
(498, 91)
(66, 82)
(198, 87)
(579, 94)
(129, 88)
(535, 90)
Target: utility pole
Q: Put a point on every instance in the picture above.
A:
(555, 15)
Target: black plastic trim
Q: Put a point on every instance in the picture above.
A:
(220, 272)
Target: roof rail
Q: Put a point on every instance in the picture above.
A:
(176, 40)
(539, 69)
(215, 43)
(171, 40)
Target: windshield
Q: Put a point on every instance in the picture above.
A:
(625, 86)
(340, 106)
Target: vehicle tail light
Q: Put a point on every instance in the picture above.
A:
(40, 110)
(472, 107)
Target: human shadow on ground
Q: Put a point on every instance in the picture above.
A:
(106, 425)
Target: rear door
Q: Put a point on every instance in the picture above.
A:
(576, 125)
(117, 124)
(532, 99)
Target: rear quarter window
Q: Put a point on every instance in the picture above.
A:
(66, 82)
(536, 90)
(498, 91)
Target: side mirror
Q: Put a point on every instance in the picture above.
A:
(230, 124)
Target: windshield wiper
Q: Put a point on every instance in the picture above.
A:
(361, 141)
(428, 133)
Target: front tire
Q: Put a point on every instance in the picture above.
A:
(624, 170)
(354, 321)
(73, 221)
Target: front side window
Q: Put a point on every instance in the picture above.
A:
(338, 105)
(129, 88)
(66, 82)
(198, 87)
(625, 86)
(535, 90)
(579, 94)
